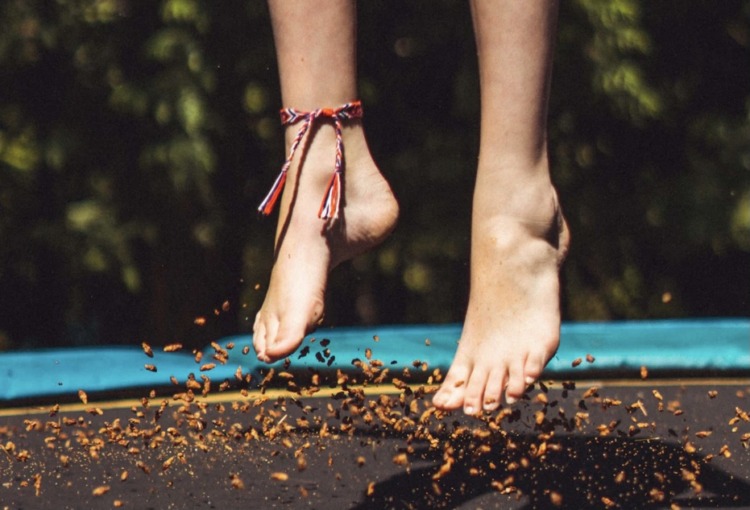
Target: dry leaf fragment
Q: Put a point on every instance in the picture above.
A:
(301, 463)
(82, 395)
(168, 463)
(724, 450)
(445, 468)
(742, 415)
(236, 481)
(398, 383)
(279, 476)
(556, 498)
(100, 491)
(37, 484)
(401, 459)
(172, 347)
(147, 349)
(607, 502)
(591, 392)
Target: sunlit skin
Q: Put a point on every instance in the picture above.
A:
(519, 237)
(312, 38)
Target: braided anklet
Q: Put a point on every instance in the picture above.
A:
(329, 209)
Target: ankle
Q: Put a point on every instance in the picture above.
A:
(530, 199)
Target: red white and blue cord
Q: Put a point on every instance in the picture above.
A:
(329, 209)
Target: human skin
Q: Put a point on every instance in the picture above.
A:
(519, 236)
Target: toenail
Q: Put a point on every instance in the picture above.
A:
(530, 380)
(469, 410)
(511, 400)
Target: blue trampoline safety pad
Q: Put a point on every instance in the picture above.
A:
(689, 345)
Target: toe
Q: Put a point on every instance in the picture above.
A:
(259, 337)
(285, 342)
(475, 390)
(516, 382)
(284, 336)
(451, 393)
(494, 389)
(533, 368)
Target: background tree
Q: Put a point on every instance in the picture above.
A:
(136, 139)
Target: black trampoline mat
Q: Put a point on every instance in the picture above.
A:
(614, 444)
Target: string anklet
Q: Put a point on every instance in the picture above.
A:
(329, 209)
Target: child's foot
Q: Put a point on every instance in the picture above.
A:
(512, 325)
(307, 248)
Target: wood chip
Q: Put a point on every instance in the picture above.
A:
(100, 491)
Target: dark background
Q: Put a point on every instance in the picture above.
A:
(137, 138)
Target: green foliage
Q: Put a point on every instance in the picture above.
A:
(136, 139)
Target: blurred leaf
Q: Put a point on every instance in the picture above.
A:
(136, 139)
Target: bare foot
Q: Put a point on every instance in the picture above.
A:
(512, 325)
(307, 248)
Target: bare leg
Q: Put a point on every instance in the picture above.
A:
(315, 45)
(519, 237)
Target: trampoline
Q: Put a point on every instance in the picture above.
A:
(627, 415)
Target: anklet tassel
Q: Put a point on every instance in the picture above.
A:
(330, 206)
(329, 209)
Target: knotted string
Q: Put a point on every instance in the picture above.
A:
(330, 207)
